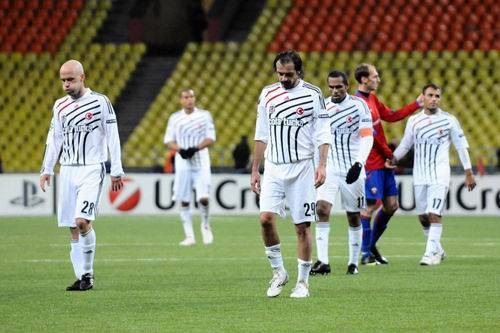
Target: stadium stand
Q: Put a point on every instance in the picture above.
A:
(453, 43)
(228, 77)
(29, 73)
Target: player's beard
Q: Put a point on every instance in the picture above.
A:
(338, 100)
(287, 84)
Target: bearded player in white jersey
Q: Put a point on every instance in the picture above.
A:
(430, 133)
(291, 124)
(351, 127)
(84, 126)
(190, 132)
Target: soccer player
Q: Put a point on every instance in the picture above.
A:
(430, 132)
(190, 132)
(351, 127)
(291, 124)
(380, 182)
(84, 126)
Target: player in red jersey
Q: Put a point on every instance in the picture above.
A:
(380, 181)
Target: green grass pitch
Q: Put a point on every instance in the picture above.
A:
(146, 282)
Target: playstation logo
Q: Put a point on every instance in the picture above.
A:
(29, 197)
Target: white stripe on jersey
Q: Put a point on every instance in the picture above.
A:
(85, 128)
(292, 122)
(346, 120)
(189, 130)
(431, 136)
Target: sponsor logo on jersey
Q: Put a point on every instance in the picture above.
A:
(373, 190)
(286, 122)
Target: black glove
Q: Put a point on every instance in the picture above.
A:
(190, 152)
(353, 173)
(183, 153)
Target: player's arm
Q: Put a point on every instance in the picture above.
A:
(365, 143)
(404, 146)
(207, 142)
(52, 150)
(460, 142)
(113, 141)
(322, 138)
(261, 137)
(390, 115)
(379, 141)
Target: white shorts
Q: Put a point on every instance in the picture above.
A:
(187, 180)
(293, 182)
(430, 198)
(352, 195)
(79, 193)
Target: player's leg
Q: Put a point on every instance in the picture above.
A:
(202, 184)
(182, 193)
(436, 197)
(424, 222)
(90, 180)
(301, 196)
(355, 238)
(353, 201)
(271, 201)
(325, 195)
(66, 218)
(373, 192)
(389, 207)
(322, 265)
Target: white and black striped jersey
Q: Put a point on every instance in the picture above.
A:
(292, 122)
(189, 130)
(430, 134)
(85, 128)
(346, 119)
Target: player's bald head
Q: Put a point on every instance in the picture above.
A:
(72, 66)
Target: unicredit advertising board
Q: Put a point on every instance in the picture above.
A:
(231, 194)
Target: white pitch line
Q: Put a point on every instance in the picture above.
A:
(174, 259)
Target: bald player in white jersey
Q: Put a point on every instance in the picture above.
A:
(84, 126)
(351, 127)
(430, 133)
(291, 125)
(190, 132)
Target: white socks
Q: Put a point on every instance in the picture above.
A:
(322, 234)
(304, 268)
(203, 214)
(76, 257)
(87, 245)
(355, 235)
(187, 222)
(273, 254)
(434, 240)
(426, 232)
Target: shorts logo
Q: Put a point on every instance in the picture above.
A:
(127, 198)
(373, 190)
(300, 111)
(89, 115)
(348, 119)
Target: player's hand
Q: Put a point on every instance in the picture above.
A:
(44, 179)
(320, 176)
(353, 173)
(390, 163)
(470, 182)
(116, 183)
(255, 182)
(190, 151)
(420, 100)
(183, 153)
